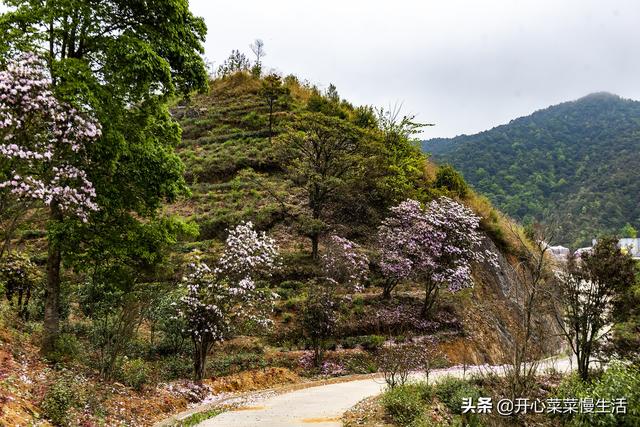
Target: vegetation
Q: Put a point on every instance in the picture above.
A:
(155, 234)
(573, 166)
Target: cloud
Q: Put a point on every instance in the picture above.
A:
(467, 66)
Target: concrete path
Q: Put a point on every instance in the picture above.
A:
(323, 405)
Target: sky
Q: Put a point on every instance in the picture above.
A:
(464, 65)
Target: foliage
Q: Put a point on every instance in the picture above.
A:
(573, 165)
(319, 319)
(122, 61)
(19, 275)
(135, 373)
(450, 180)
(406, 403)
(323, 154)
(236, 62)
(198, 418)
(58, 400)
(594, 293)
(617, 381)
(67, 348)
(451, 391)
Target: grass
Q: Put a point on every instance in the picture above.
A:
(197, 418)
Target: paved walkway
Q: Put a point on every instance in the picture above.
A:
(323, 405)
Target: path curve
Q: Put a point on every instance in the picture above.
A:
(324, 405)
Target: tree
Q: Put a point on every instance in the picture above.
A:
(272, 91)
(319, 318)
(434, 245)
(237, 61)
(450, 179)
(345, 263)
(19, 275)
(532, 277)
(629, 231)
(257, 47)
(218, 302)
(123, 61)
(323, 154)
(592, 292)
(43, 158)
(404, 162)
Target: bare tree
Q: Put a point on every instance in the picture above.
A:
(257, 47)
(532, 275)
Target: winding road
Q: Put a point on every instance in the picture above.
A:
(324, 405)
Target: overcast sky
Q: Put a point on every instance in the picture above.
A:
(465, 65)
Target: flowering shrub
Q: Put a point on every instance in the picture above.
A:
(344, 263)
(42, 141)
(219, 301)
(435, 245)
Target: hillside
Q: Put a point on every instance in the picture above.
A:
(575, 165)
(236, 174)
(128, 341)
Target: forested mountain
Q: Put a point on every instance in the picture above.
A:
(576, 165)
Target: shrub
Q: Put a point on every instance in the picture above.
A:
(618, 381)
(58, 401)
(176, 367)
(66, 348)
(452, 390)
(405, 404)
(135, 373)
(372, 342)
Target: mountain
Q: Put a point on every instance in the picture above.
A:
(575, 165)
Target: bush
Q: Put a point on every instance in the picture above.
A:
(372, 342)
(405, 404)
(452, 390)
(135, 373)
(66, 349)
(619, 380)
(58, 400)
(176, 367)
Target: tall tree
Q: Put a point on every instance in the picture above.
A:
(257, 47)
(124, 59)
(324, 153)
(272, 91)
(592, 293)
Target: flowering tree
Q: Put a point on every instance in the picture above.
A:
(218, 301)
(434, 245)
(344, 263)
(248, 252)
(43, 158)
(43, 141)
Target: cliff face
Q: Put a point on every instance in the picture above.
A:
(492, 317)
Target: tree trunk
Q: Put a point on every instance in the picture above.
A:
(52, 289)
(314, 245)
(270, 121)
(429, 299)
(201, 349)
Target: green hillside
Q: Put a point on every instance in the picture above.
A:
(575, 165)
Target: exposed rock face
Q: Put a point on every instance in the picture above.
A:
(492, 315)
